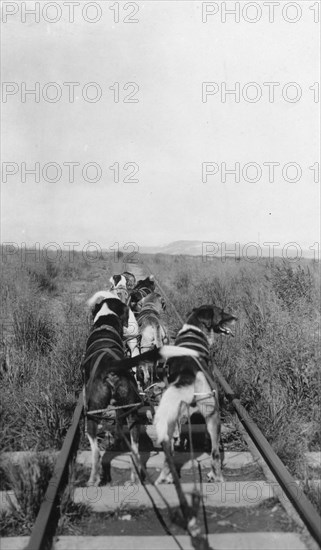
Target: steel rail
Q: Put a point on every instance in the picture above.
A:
(47, 519)
(296, 496)
(45, 525)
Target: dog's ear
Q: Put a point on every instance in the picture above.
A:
(191, 312)
(205, 315)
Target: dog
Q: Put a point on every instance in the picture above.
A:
(153, 331)
(108, 376)
(130, 280)
(118, 284)
(142, 289)
(131, 333)
(189, 384)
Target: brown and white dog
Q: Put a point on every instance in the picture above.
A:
(152, 329)
(189, 386)
(130, 280)
(141, 289)
(108, 374)
(119, 288)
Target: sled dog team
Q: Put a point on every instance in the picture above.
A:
(128, 338)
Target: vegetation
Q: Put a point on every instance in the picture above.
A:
(29, 480)
(272, 363)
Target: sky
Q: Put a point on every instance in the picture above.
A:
(151, 125)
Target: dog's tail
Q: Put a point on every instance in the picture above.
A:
(168, 410)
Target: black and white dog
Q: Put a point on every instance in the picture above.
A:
(119, 288)
(130, 280)
(108, 374)
(153, 331)
(189, 386)
(142, 289)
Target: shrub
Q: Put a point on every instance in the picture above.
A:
(32, 327)
(28, 480)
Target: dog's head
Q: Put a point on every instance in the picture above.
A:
(154, 300)
(149, 283)
(117, 281)
(119, 287)
(105, 303)
(130, 279)
(210, 319)
(142, 285)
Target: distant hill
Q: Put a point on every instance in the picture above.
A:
(176, 247)
(196, 248)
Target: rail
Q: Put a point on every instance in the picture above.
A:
(46, 523)
(301, 503)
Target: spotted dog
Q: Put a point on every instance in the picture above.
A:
(152, 329)
(130, 280)
(140, 291)
(108, 375)
(189, 383)
(119, 288)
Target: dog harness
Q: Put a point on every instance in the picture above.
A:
(122, 292)
(104, 340)
(194, 338)
(140, 293)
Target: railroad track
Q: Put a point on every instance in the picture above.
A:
(259, 506)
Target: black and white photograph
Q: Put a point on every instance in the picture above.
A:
(160, 275)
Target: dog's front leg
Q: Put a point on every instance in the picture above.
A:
(213, 424)
(166, 475)
(209, 408)
(133, 425)
(95, 454)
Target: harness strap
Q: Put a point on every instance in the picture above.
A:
(114, 408)
(106, 327)
(147, 309)
(112, 352)
(91, 378)
(193, 338)
(143, 291)
(207, 376)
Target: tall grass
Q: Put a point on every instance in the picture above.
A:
(273, 363)
(43, 334)
(28, 480)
